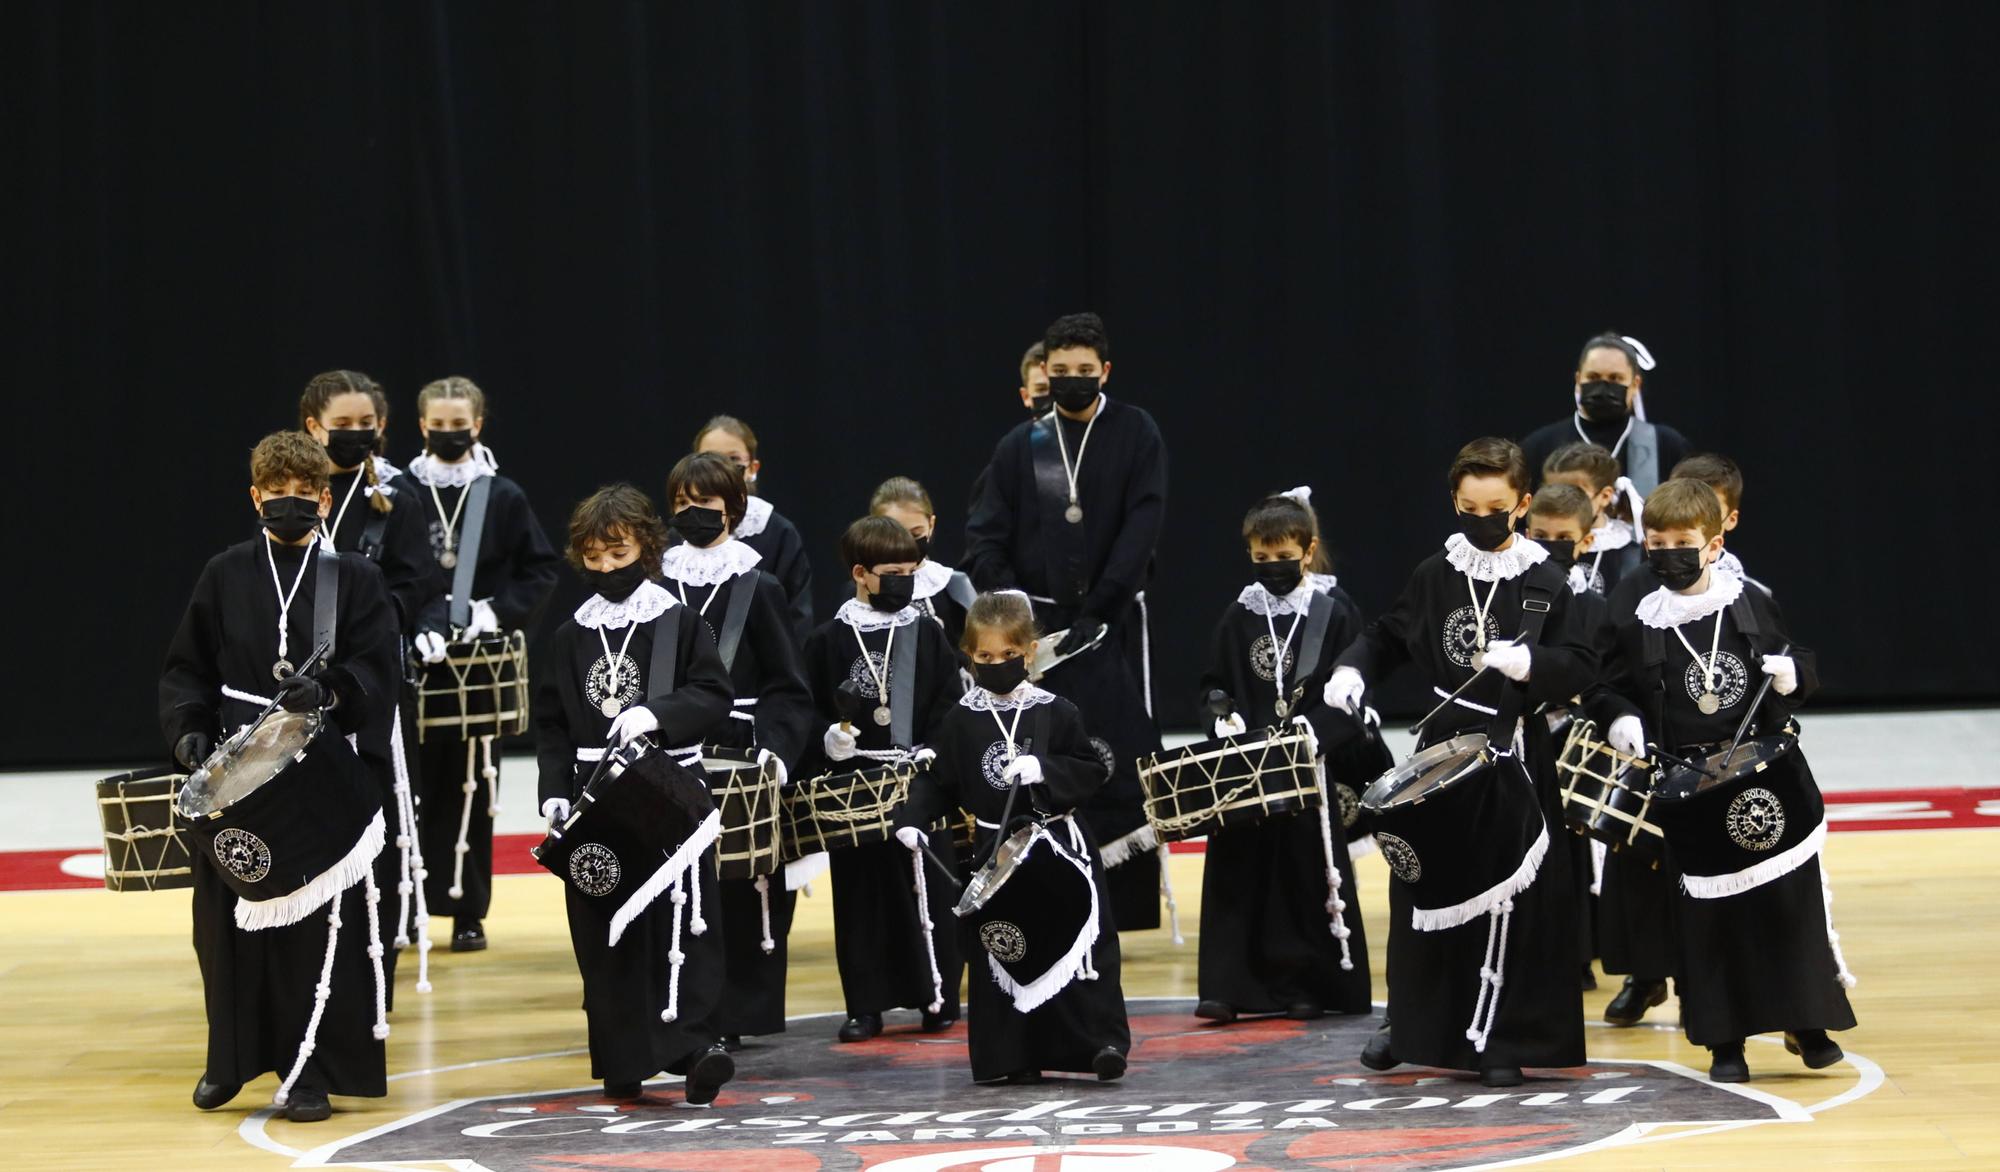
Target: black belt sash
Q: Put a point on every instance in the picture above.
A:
(326, 602)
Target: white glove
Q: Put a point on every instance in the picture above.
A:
(1231, 725)
(1343, 690)
(430, 646)
(923, 756)
(1509, 658)
(635, 721)
(838, 743)
(1628, 736)
(910, 837)
(1783, 672)
(763, 755)
(1024, 770)
(556, 810)
(484, 621)
(1372, 718)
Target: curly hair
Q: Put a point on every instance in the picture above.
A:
(1084, 330)
(285, 456)
(611, 511)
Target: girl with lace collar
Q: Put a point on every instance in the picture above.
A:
(942, 593)
(1614, 536)
(762, 527)
(651, 997)
(1011, 755)
(1273, 952)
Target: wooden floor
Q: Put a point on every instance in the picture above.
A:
(101, 1018)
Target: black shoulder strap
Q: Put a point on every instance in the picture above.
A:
(1318, 615)
(1744, 615)
(742, 588)
(666, 654)
(472, 530)
(372, 534)
(902, 675)
(959, 588)
(326, 601)
(1536, 601)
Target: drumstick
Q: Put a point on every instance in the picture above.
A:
(943, 868)
(1417, 728)
(1750, 713)
(310, 662)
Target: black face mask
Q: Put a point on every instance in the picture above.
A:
(697, 525)
(1279, 578)
(1003, 677)
(348, 446)
(450, 446)
(289, 518)
(616, 585)
(924, 547)
(896, 592)
(1677, 569)
(1562, 553)
(1037, 404)
(1601, 401)
(1489, 532)
(1074, 392)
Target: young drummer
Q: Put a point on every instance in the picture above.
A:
(1756, 945)
(762, 527)
(597, 689)
(1472, 610)
(500, 569)
(1721, 474)
(1614, 536)
(1280, 925)
(252, 616)
(718, 577)
(880, 651)
(1010, 752)
(942, 593)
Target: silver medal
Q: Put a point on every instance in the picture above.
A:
(448, 560)
(1479, 661)
(281, 669)
(1073, 514)
(883, 716)
(1282, 708)
(1709, 703)
(611, 706)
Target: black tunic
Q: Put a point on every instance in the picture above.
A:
(625, 986)
(1064, 1032)
(1266, 938)
(877, 938)
(784, 554)
(936, 600)
(1434, 976)
(1543, 442)
(257, 987)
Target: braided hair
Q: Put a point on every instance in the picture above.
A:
(321, 391)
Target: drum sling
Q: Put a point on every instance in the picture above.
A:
(471, 535)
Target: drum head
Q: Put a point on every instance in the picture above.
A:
(244, 762)
(989, 879)
(1722, 768)
(1425, 773)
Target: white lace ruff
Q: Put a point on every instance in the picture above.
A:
(428, 469)
(1324, 583)
(648, 602)
(932, 577)
(756, 514)
(862, 617)
(706, 567)
(1498, 566)
(1258, 600)
(1664, 610)
(1025, 696)
(1613, 534)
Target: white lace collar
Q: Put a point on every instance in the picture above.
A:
(1732, 563)
(1498, 566)
(428, 469)
(706, 567)
(1663, 609)
(1025, 696)
(932, 577)
(1579, 579)
(1324, 583)
(756, 514)
(862, 617)
(1258, 600)
(648, 602)
(1613, 534)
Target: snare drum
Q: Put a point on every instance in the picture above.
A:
(1034, 910)
(748, 796)
(1739, 810)
(842, 809)
(1459, 825)
(145, 842)
(480, 689)
(1605, 793)
(1231, 781)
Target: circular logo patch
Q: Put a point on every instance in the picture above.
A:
(1350, 803)
(993, 762)
(1461, 634)
(864, 671)
(1262, 654)
(243, 855)
(1756, 819)
(594, 869)
(1005, 941)
(597, 682)
(1730, 677)
(1105, 756)
(1402, 860)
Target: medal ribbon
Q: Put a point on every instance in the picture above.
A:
(1708, 669)
(1071, 472)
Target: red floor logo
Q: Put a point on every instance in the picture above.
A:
(1257, 1096)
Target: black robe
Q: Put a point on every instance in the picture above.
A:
(1266, 938)
(625, 986)
(784, 554)
(768, 675)
(257, 987)
(1065, 1032)
(942, 604)
(877, 938)
(1434, 976)
(1543, 442)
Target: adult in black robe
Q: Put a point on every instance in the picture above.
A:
(1605, 397)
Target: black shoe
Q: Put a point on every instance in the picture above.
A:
(1304, 1011)
(468, 936)
(1109, 1064)
(861, 1027)
(1818, 1050)
(1376, 1055)
(1632, 1002)
(210, 1095)
(706, 1076)
(1215, 1011)
(732, 1042)
(622, 1092)
(308, 1105)
(1500, 1076)
(935, 1023)
(1726, 1064)
(1589, 977)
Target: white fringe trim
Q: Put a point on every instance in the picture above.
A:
(1750, 878)
(1074, 963)
(1120, 850)
(686, 857)
(1490, 900)
(256, 915)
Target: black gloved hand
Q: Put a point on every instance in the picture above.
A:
(298, 693)
(1080, 635)
(192, 749)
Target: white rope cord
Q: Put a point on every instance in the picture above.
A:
(1492, 975)
(458, 851)
(674, 958)
(696, 924)
(374, 896)
(768, 944)
(1847, 979)
(1167, 890)
(924, 920)
(320, 993)
(1335, 905)
(414, 873)
(1089, 971)
(491, 773)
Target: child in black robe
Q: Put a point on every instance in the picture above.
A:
(644, 1017)
(1011, 755)
(253, 609)
(762, 527)
(881, 656)
(1756, 950)
(1613, 550)
(1281, 924)
(513, 569)
(1463, 602)
(718, 578)
(942, 593)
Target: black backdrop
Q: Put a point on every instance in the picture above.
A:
(1331, 242)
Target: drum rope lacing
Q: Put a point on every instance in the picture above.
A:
(1178, 821)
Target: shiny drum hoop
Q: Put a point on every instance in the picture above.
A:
(1229, 781)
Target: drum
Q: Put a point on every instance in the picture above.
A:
(480, 689)
(1460, 827)
(1034, 910)
(1605, 793)
(284, 807)
(1756, 814)
(145, 842)
(842, 809)
(1231, 781)
(748, 796)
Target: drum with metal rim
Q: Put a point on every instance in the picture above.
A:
(1726, 813)
(749, 795)
(845, 808)
(480, 688)
(1457, 822)
(1606, 794)
(146, 844)
(1230, 781)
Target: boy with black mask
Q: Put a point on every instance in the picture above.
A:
(1609, 412)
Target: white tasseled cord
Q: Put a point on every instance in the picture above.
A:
(924, 921)
(405, 833)
(458, 851)
(419, 875)
(374, 896)
(763, 885)
(1492, 975)
(696, 924)
(1336, 907)
(1089, 971)
(321, 992)
(675, 956)
(491, 773)
(1167, 890)
(1847, 979)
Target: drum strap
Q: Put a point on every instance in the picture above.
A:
(666, 654)
(903, 697)
(469, 539)
(371, 534)
(1536, 599)
(741, 589)
(326, 601)
(1318, 615)
(959, 589)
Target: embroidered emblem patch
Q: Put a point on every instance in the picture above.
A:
(1105, 756)
(243, 855)
(1756, 819)
(1731, 679)
(1005, 941)
(1402, 859)
(993, 762)
(1263, 652)
(594, 869)
(596, 682)
(1461, 634)
(864, 679)
(1350, 804)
